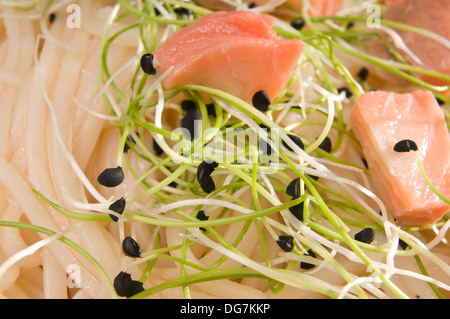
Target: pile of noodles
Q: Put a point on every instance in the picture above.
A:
(59, 113)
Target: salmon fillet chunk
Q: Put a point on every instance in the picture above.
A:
(382, 119)
(428, 53)
(237, 52)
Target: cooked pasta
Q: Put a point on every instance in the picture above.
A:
(75, 101)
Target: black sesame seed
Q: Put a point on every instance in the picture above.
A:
(52, 17)
(363, 73)
(297, 210)
(326, 145)
(314, 177)
(261, 101)
(118, 206)
(405, 146)
(189, 123)
(207, 184)
(297, 140)
(130, 141)
(439, 101)
(366, 235)
(137, 287)
(286, 242)
(125, 286)
(211, 109)
(205, 169)
(158, 150)
(402, 244)
(131, 248)
(252, 5)
(293, 188)
(365, 162)
(350, 25)
(188, 105)
(147, 64)
(202, 216)
(305, 265)
(298, 23)
(348, 93)
(173, 184)
(182, 11)
(111, 177)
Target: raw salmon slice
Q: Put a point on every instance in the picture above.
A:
(381, 119)
(429, 15)
(237, 52)
(391, 2)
